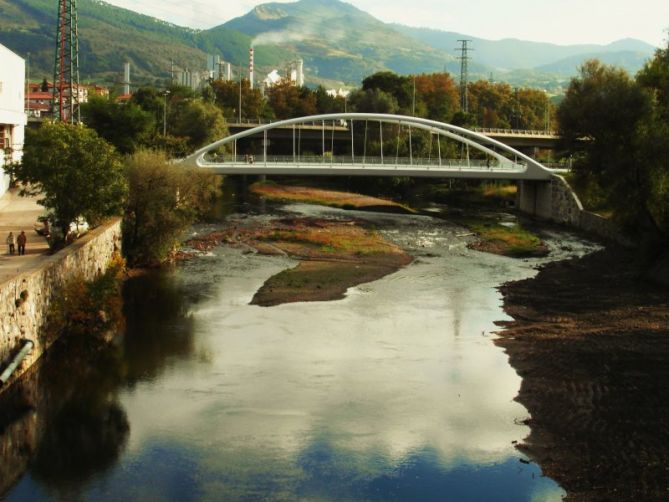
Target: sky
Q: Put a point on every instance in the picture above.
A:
(556, 21)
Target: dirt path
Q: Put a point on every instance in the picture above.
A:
(16, 214)
(591, 343)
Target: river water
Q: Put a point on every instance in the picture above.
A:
(396, 392)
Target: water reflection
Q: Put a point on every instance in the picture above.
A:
(395, 392)
(159, 325)
(73, 427)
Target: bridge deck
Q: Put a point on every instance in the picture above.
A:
(373, 167)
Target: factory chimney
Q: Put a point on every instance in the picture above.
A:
(299, 80)
(251, 67)
(126, 78)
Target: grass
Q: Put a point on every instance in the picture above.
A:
(509, 241)
(331, 198)
(334, 255)
(459, 194)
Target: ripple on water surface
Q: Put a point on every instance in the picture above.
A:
(394, 392)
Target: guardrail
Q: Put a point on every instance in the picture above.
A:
(363, 161)
(516, 132)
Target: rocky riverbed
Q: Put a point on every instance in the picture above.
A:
(591, 343)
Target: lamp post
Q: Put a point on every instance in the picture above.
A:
(165, 112)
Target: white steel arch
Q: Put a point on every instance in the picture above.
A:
(521, 167)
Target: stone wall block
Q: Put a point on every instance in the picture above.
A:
(87, 257)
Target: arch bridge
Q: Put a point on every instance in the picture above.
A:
(482, 157)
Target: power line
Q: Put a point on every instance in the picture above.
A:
(66, 64)
(464, 73)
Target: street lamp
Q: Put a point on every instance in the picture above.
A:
(165, 112)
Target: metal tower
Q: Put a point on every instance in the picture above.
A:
(464, 73)
(66, 64)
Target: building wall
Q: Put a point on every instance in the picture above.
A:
(12, 115)
(25, 320)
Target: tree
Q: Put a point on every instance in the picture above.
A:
(399, 87)
(124, 125)
(200, 122)
(602, 109)
(436, 96)
(289, 101)
(227, 96)
(325, 103)
(373, 101)
(153, 101)
(165, 198)
(608, 121)
(76, 172)
(654, 137)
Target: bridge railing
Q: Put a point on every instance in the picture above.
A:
(363, 161)
(328, 124)
(259, 122)
(515, 132)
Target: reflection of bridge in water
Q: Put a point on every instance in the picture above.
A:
(368, 153)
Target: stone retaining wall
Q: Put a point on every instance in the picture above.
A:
(24, 299)
(555, 200)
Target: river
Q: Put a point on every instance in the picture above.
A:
(396, 392)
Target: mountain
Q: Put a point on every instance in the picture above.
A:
(108, 36)
(632, 61)
(513, 54)
(339, 43)
(336, 40)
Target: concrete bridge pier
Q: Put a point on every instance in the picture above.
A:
(534, 198)
(552, 200)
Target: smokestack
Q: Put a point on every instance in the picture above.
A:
(126, 78)
(300, 73)
(251, 67)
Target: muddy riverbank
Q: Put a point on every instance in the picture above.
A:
(333, 256)
(591, 343)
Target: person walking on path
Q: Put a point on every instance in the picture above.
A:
(11, 242)
(21, 240)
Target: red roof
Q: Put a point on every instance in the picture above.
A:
(40, 95)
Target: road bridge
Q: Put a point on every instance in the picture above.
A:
(483, 157)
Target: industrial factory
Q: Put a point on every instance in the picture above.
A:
(217, 69)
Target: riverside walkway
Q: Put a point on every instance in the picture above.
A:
(20, 213)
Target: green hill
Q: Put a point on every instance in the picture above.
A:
(336, 40)
(339, 44)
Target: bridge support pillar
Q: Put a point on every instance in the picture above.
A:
(534, 198)
(550, 200)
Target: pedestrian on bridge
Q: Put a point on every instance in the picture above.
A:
(21, 240)
(11, 242)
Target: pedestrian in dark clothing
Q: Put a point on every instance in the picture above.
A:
(21, 240)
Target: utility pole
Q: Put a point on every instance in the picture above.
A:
(517, 113)
(464, 73)
(66, 64)
(165, 94)
(240, 94)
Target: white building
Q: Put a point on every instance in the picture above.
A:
(12, 115)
